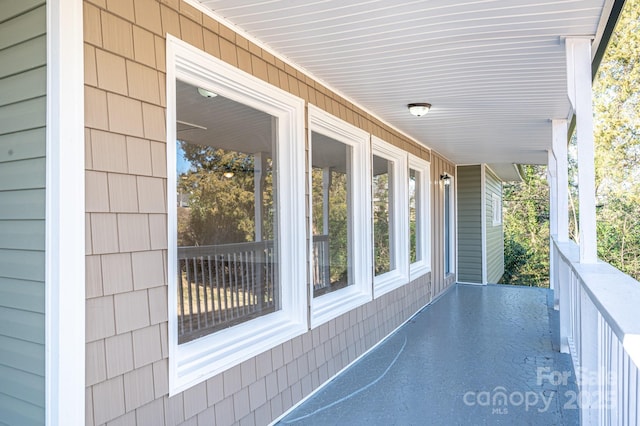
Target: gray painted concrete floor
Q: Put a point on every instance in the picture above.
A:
(479, 355)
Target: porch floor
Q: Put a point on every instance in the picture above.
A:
(477, 355)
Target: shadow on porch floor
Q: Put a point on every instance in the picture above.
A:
(477, 355)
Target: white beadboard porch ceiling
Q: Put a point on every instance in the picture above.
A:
(494, 70)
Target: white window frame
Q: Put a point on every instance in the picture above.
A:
(423, 220)
(331, 305)
(399, 276)
(192, 362)
(496, 206)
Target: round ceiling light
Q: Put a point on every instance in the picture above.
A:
(419, 109)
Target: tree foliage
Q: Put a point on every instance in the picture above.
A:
(338, 220)
(617, 145)
(616, 104)
(381, 224)
(221, 209)
(526, 229)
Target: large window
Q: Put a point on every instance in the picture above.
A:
(339, 208)
(390, 217)
(236, 216)
(226, 213)
(419, 227)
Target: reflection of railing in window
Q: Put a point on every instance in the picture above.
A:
(224, 285)
(321, 268)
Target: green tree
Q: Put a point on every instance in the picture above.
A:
(338, 221)
(381, 224)
(219, 187)
(526, 229)
(617, 145)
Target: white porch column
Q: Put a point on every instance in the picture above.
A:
(553, 192)
(578, 52)
(553, 221)
(559, 129)
(559, 275)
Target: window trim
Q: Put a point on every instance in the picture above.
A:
(399, 276)
(422, 266)
(64, 251)
(193, 362)
(331, 305)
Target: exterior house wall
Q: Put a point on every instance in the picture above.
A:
(470, 224)
(126, 215)
(22, 211)
(471, 187)
(495, 235)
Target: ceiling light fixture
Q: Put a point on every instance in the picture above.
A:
(419, 109)
(206, 93)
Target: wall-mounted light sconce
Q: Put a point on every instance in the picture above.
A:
(419, 109)
(445, 178)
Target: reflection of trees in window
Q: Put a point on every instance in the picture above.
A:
(220, 191)
(381, 221)
(226, 259)
(413, 241)
(338, 220)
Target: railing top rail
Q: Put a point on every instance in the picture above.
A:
(195, 251)
(615, 294)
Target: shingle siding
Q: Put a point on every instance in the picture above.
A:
(125, 164)
(22, 211)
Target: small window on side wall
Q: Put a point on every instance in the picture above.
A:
(339, 265)
(236, 216)
(390, 217)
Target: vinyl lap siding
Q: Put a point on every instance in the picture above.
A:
(22, 210)
(495, 237)
(469, 224)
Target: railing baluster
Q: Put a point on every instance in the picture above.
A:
(243, 293)
(254, 280)
(245, 282)
(197, 291)
(223, 287)
(232, 296)
(181, 294)
(190, 299)
(211, 298)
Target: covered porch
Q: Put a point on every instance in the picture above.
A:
(505, 79)
(477, 354)
(500, 354)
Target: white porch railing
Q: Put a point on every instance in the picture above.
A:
(223, 285)
(321, 262)
(600, 326)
